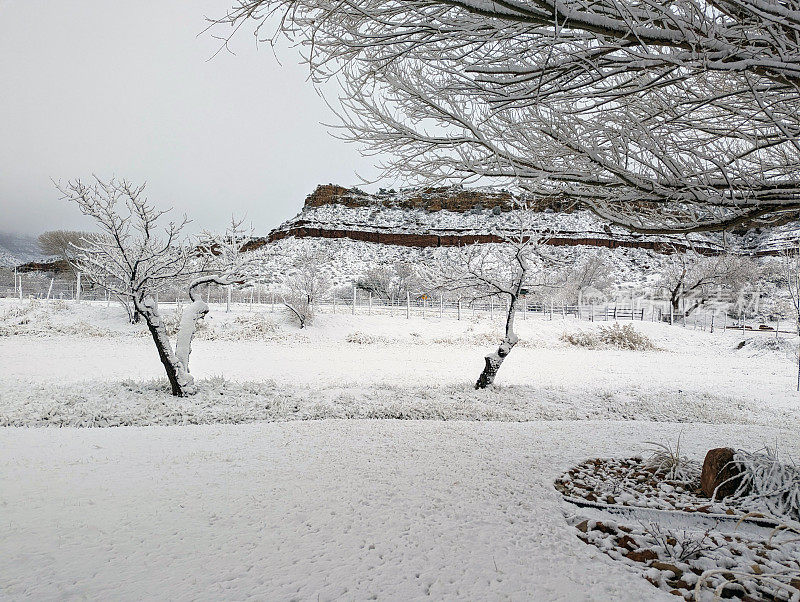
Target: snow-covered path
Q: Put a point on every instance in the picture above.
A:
(316, 510)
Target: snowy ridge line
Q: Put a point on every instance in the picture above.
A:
(620, 509)
(421, 226)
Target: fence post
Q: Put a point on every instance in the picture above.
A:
(369, 304)
(50, 289)
(777, 327)
(408, 305)
(228, 301)
(491, 307)
(77, 288)
(459, 308)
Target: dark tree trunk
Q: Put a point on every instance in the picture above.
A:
(495, 360)
(181, 382)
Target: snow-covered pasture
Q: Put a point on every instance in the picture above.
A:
(66, 363)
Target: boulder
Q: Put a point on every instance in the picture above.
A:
(720, 470)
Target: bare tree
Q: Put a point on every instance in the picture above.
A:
(663, 117)
(693, 280)
(60, 243)
(505, 270)
(131, 259)
(378, 280)
(589, 277)
(391, 281)
(305, 286)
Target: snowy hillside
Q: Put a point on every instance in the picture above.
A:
(16, 249)
(454, 216)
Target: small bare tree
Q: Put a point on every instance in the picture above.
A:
(697, 278)
(130, 259)
(305, 286)
(506, 270)
(589, 277)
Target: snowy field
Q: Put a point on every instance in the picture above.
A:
(447, 508)
(81, 364)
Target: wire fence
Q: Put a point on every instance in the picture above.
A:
(720, 317)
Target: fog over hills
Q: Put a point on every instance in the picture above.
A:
(18, 248)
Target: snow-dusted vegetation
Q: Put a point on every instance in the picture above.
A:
(606, 194)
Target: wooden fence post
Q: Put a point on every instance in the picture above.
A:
(408, 305)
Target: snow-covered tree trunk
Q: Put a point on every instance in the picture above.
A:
(194, 312)
(180, 380)
(495, 360)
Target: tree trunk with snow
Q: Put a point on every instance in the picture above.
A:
(194, 312)
(181, 382)
(495, 360)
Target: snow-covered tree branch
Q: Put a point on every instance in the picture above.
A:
(663, 117)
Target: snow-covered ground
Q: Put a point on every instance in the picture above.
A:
(391, 510)
(344, 509)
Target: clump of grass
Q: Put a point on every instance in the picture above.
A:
(668, 462)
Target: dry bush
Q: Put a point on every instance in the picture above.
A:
(625, 337)
(582, 338)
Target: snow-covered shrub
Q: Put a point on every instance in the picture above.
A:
(582, 338)
(682, 545)
(625, 337)
(768, 484)
(616, 335)
(362, 338)
(256, 325)
(760, 345)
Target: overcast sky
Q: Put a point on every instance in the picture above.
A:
(126, 88)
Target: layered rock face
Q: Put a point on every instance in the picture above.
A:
(455, 216)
